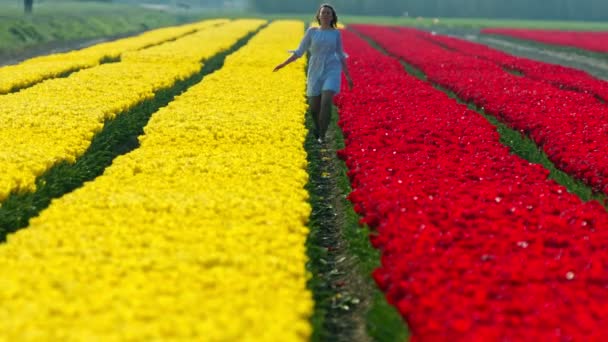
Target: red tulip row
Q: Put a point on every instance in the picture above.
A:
(557, 75)
(586, 40)
(476, 243)
(571, 127)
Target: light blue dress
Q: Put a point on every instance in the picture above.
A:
(325, 63)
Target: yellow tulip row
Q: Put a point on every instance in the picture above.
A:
(38, 69)
(197, 235)
(147, 39)
(56, 120)
(181, 50)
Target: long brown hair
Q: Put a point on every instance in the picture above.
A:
(334, 21)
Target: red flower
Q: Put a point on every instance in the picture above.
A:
(476, 244)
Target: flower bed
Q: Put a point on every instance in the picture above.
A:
(586, 40)
(569, 126)
(476, 243)
(35, 70)
(56, 120)
(196, 235)
(557, 75)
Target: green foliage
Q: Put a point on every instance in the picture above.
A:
(383, 321)
(341, 256)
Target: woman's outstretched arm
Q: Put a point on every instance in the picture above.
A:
(289, 60)
(304, 45)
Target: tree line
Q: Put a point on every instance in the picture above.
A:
(516, 9)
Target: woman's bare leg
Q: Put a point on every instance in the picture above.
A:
(327, 98)
(314, 103)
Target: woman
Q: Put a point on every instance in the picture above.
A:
(326, 63)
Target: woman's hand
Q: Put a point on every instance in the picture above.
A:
(282, 65)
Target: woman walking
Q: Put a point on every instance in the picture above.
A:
(327, 62)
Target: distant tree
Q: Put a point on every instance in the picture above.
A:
(28, 5)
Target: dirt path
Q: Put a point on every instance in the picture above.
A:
(342, 294)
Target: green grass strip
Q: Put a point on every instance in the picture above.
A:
(119, 136)
(383, 321)
(330, 320)
(513, 72)
(348, 304)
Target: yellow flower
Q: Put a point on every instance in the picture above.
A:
(55, 120)
(199, 234)
(37, 69)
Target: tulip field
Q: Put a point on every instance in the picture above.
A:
(477, 244)
(155, 247)
(200, 227)
(588, 40)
